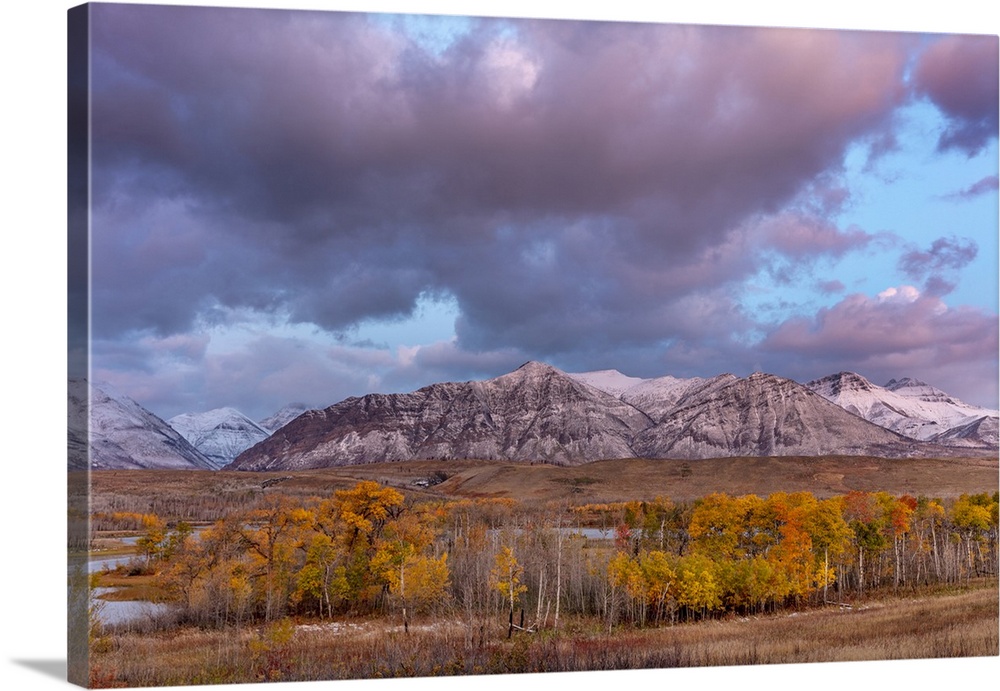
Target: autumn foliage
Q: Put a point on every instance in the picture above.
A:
(368, 550)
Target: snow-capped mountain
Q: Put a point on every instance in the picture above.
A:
(533, 413)
(912, 408)
(122, 434)
(274, 422)
(220, 434)
(540, 413)
(607, 380)
(762, 415)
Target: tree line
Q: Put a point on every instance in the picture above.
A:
(370, 550)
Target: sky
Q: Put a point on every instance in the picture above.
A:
(305, 206)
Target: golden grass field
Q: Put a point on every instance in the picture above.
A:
(173, 492)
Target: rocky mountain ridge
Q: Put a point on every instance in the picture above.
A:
(540, 413)
(912, 408)
(529, 414)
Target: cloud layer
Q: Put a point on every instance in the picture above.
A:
(592, 194)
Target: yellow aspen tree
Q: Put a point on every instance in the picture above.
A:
(659, 578)
(270, 535)
(831, 537)
(153, 539)
(506, 575)
(717, 522)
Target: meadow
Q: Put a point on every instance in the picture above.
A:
(922, 624)
(434, 568)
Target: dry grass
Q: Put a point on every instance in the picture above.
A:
(944, 624)
(205, 496)
(643, 479)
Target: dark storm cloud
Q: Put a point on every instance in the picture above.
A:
(571, 185)
(959, 75)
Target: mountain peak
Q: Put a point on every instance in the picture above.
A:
(904, 383)
(910, 407)
(220, 434)
(834, 384)
(110, 430)
(534, 366)
(282, 417)
(529, 372)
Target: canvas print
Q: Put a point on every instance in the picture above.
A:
(424, 345)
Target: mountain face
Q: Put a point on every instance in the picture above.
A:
(123, 434)
(762, 415)
(76, 425)
(533, 413)
(281, 418)
(540, 413)
(913, 409)
(220, 434)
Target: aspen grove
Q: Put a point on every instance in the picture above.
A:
(370, 551)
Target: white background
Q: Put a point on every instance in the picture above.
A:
(33, 399)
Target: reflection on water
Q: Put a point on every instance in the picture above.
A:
(119, 611)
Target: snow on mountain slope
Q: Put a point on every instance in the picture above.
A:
(122, 434)
(762, 415)
(607, 380)
(533, 413)
(911, 408)
(281, 418)
(655, 397)
(981, 431)
(221, 434)
(539, 413)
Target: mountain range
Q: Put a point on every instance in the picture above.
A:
(123, 434)
(540, 413)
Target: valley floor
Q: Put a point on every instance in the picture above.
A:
(202, 495)
(954, 622)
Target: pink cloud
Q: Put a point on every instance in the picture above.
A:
(900, 332)
(988, 184)
(898, 323)
(959, 75)
(798, 236)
